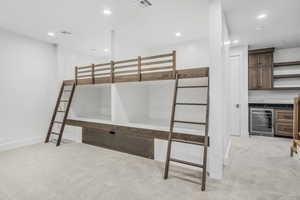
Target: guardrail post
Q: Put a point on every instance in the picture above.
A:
(93, 73)
(140, 68)
(76, 75)
(174, 63)
(112, 69)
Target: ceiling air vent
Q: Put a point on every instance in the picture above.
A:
(64, 32)
(144, 3)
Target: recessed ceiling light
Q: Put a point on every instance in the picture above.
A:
(107, 12)
(262, 16)
(106, 50)
(227, 42)
(178, 34)
(51, 34)
(235, 41)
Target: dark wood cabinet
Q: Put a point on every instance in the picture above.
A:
(116, 138)
(261, 68)
(283, 122)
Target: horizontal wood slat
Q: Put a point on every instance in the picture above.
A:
(156, 62)
(156, 68)
(158, 56)
(102, 69)
(84, 71)
(286, 64)
(287, 76)
(126, 66)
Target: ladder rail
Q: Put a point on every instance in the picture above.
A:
(54, 113)
(167, 164)
(204, 169)
(66, 115)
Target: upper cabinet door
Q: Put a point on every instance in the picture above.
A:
(261, 68)
(253, 72)
(265, 70)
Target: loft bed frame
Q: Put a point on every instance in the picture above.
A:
(296, 126)
(151, 68)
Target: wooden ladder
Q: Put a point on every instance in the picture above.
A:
(171, 139)
(296, 127)
(65, 103)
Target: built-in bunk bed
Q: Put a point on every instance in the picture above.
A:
(123, 89)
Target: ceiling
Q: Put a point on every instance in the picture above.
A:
(133, 25)
(280, 29)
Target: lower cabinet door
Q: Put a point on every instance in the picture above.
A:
(284, 129)
(120, 141)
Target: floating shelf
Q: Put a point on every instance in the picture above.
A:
(286, 64)
(277, 88)
(286, 76)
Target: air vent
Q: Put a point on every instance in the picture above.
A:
(66, 33)
(144, 3)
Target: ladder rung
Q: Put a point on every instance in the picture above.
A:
(61, 111)
(57, 122)
(186, 162)
(67, 90)
(54, 133)
(188, 142)
(192, 104)
(64, 100)
(195, 86)
(186, 122)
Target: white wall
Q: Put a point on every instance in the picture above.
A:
(28, 87)
(129, 102)
(92, 101)
(280, 55)
(67, 59)
(189, 54)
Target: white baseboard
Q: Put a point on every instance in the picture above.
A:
(19, 143)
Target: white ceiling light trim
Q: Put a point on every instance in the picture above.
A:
(227, 42)
(51, 34)
(178, 34)
(262, 16)
(107, 12)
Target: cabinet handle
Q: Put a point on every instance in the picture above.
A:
(112, 132)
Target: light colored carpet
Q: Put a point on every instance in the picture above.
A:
(259, 169)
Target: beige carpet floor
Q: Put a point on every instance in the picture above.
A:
(259, 169)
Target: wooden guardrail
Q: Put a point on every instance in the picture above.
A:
(137, 67)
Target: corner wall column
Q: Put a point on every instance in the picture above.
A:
(217, 90)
